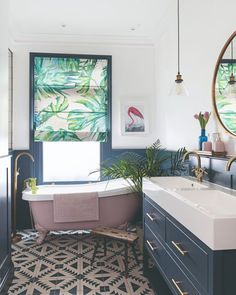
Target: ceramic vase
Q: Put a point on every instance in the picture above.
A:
(202, 138)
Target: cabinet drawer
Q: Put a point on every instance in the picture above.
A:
(194, 258)
(154, 219)
(178, 281)
(154, 247)
(175, 278)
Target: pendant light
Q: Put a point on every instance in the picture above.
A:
(230, 89)
(178, 88)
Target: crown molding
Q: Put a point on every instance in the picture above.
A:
(77, 39)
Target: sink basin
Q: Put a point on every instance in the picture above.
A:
(207, 210)
(176, 182)
(213, 202)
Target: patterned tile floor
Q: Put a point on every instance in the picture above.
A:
(61, 266)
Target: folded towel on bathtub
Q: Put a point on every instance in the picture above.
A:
(76, 207)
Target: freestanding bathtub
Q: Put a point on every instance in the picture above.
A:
(117, 205)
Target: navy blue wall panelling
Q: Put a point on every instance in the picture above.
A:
(216, 170)
(214, 166)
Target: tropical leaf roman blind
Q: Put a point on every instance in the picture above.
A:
(70, 98)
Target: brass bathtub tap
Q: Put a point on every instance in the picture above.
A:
(199, 171)
(229, 163)
(16, 238)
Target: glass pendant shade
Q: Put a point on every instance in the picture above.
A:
(179, 88)
(230, 89)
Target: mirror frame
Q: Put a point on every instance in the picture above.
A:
(214, 82)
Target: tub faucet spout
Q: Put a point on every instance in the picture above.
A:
(199, 171)
(16, 238)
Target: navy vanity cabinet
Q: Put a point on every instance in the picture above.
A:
(182, 261)
(6, 266)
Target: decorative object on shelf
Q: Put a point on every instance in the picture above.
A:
(202, 138)
(178, 88)
(16, 237)
(134, 118)
(203, 120)
(207, 145)
(230, 89)
(219, 146)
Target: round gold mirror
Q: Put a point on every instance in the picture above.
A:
(224, 86)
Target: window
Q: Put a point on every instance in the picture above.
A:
(71, 161)
(70, 123)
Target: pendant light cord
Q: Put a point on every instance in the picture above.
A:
(178, 39)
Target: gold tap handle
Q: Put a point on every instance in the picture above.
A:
(204, 171)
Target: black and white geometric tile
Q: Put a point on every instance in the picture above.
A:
(62, 266)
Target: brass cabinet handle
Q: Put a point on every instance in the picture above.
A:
(177, 246)
(150, 217)
(176, 284)
(151, 247)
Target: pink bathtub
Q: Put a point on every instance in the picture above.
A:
(117, 205)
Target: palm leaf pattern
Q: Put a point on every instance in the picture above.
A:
(225, 107)
(71, 98)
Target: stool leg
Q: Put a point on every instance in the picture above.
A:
(95, 251)
(126, 260)
(105, 246)
(135, 254)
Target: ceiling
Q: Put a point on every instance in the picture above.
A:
(91, 20)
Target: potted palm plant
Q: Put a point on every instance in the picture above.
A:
(132, 166)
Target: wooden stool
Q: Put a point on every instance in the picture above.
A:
(121, 235)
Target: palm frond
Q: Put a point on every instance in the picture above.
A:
(177, 165)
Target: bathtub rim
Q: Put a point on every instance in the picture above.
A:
(123, 189)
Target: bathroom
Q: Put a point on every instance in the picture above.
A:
(138, 43)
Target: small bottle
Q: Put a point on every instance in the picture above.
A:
(207, 146)
(219, 146)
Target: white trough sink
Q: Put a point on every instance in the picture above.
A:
(177, 183)
(212, 202)
(207, 210)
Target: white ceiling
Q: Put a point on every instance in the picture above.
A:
(133, 20)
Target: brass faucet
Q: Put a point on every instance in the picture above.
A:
(199, 171)
(229, 163)
(16, 238)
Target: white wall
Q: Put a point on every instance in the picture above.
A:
(144, 72)
(205, 27)
(3, 77)
(133, 78)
